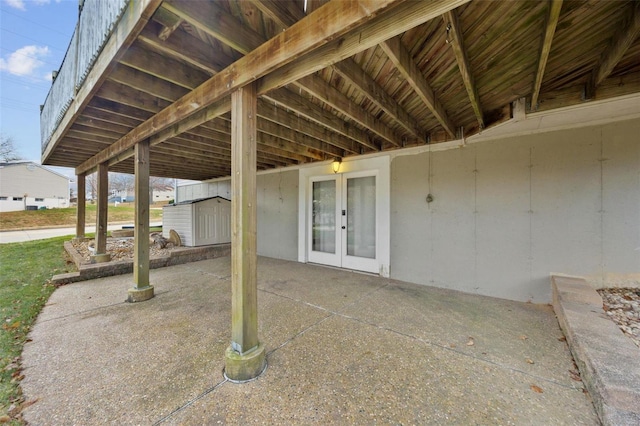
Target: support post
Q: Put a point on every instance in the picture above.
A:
(81, 207)
(101, 254)
(142, 290)
(245, 357)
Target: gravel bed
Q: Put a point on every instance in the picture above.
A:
(119, 249)
(622, 305)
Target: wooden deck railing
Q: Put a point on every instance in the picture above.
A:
(96, 22)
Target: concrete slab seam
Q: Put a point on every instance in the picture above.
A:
(83, 312)
(190, 402)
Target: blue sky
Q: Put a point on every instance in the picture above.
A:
(34, 36)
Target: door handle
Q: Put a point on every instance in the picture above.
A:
(344, 227)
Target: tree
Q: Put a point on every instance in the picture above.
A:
(8, 152)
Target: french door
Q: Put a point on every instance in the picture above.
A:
(343, 229)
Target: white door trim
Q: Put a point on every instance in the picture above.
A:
(379, 165)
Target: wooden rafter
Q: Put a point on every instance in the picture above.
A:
(352, 72)
(227, 29)
(550, 28)
(158, 88)
(346, 27)
(456, 41)
(619, 45)
(401, 58)
(291, 101)
(280, 12)
(317, 114)
(273, 113)
(349, 70)
(215, 21)
(328, 94)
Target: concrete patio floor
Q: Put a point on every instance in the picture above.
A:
(342, 348)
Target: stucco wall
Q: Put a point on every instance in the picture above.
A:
(507, 213)
(278, 214)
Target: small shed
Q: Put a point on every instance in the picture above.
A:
(199, 222)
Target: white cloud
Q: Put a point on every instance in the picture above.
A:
(24, 61)
(20, 4)
(17, 4)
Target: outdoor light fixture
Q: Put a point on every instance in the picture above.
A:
(336, 164)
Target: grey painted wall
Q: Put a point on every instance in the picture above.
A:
(277, 210)
(278, 215)
(508, 213)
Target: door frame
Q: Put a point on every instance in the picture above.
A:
(379, 165)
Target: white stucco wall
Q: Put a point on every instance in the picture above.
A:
(507, 213)
(278, 214)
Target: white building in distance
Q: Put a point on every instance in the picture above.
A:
(25, 185)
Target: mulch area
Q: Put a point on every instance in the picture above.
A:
(622, 305)
(120, 249)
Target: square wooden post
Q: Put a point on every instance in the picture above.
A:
(142, 290)
(81, 207)
(101, 254)
(245, 357)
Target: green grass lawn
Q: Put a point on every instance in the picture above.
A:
(57, 217)
(25, 270)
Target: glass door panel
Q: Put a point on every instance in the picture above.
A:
(361, 217)
(323, 220)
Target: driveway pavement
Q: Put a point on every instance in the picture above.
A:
(44, 233)
(342, 348)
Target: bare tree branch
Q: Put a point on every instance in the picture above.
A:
(8, 151)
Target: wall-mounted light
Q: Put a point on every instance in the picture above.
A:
(336, 164)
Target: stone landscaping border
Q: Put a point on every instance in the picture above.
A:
(177, 256)
(609, 361)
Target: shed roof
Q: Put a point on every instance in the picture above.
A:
(375, 76)
(199, 200)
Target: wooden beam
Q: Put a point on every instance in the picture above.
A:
(618, 47)
(101, 213)
(332, 21)
(401, 58)
(216, 22)
(550, 28)
(169, 21)
(244, 276)
(456, 41)
(81, 206)
(199, 54)
(141, 235)
(132, 22)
